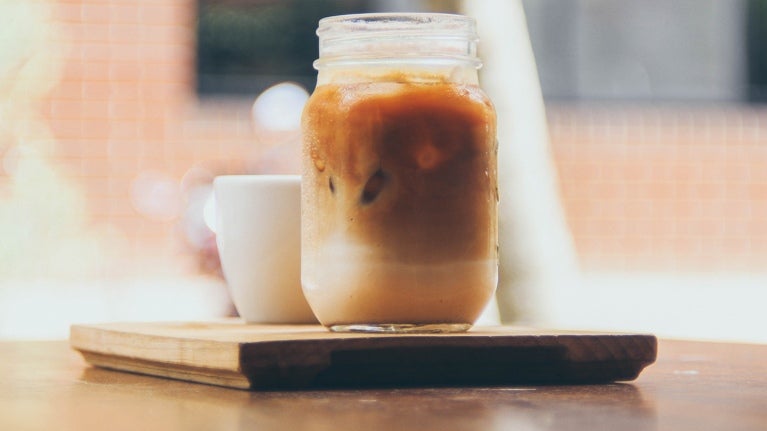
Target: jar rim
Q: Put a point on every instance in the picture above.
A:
(376, 37)
(391, 22)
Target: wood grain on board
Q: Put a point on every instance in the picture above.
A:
(233, 354)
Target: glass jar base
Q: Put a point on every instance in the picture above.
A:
(402, 328)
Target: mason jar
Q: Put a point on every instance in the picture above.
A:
(399, 186)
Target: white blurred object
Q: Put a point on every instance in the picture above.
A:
(279, 107)
(156, 196)
(698, 305)
(45, 308)
(209, 213)
(258, 232)
(199, 218)
(490, 316)
(277, 117)
(537, 257)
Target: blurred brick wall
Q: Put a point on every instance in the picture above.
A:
(643, 187)
(125, 107)
(664, 188)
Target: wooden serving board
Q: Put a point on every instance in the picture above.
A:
(231, 353)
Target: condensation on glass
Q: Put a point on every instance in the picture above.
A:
(399, 191)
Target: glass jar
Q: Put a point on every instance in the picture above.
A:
(399, 188)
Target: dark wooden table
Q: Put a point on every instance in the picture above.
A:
(693, 386)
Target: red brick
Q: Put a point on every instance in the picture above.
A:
(632, 170)
(678, 245)
(127, 33)
(123, 167)
(94, 149)
(96, 190)
(126, 52)
(735, 245)
(639, 209)
(63, 128)
(126, 71)
(65, 109)
(97, 90)
(122, 12)
(126, 90)
(691, 171)
(94, 109)
(636, 244)
(162, 72)
(699, 228)
(758, 191)
(740, 172)
(715, 191)
(116, 207)
(67, 91)
(92, 32)
(124, 129)
(121, 148)
(715, 210)
(582, 209)
(736, 228)
(95, 12)
(650, 191)
(85, 71)
(128, 110)
(151, 128)
(101, 52)
(162, 14)
(758, 211)
(758, 171)
(68, 149)
(168, 34)
(96, 168)
(651, 228)
(67, 12)
(606, 228)
(95, 129)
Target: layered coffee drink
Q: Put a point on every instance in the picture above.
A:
(399, 200)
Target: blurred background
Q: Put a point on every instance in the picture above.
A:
(115, 115)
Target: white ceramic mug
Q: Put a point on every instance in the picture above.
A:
(258, 232)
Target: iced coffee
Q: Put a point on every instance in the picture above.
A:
(399, 199)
